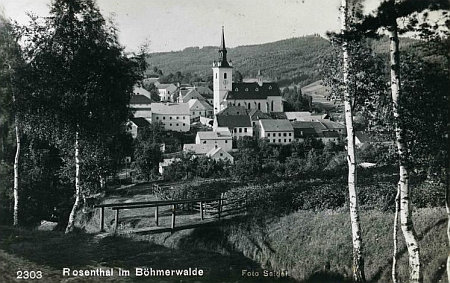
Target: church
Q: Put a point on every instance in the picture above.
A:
(258, 95)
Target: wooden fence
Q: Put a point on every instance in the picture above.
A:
(217, 207)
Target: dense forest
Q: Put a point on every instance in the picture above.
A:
(294, 60)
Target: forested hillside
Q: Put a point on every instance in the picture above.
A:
(294, 60)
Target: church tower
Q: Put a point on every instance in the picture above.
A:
(222, 77)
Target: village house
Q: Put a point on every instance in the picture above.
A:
(200, 108)
(137, 124)
(174, 116)
(215, 138)
(276, 131)
(186, 95)
(166, 92)
(314, 129)
(217, 153)
(141, 106)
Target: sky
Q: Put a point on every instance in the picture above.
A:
(172, 25)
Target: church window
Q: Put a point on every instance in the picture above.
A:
(216, 75)
(259, 106)
(236, 89)
(256, 89)
(225, 75)
(246, 89)
(249, 105)
(221, 154)
(270, 87)
(272, 106)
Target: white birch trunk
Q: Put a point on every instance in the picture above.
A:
(16, 174)
(358, 259)
(415, 271)
(447, 208)
(76, 205)
(394, 257)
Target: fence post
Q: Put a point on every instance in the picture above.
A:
(156, 216)
(102, 219)
(173, 216)
(117, 221)
(201, 211)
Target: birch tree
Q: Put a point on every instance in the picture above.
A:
(358, 259)
(9, 60)
(387, 16)
(80, 82)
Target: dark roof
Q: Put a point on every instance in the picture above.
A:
(233, 110)
(253, 91)
(330, 134)
(140, 99)
(140, 122)
(232, 121)
(256, 114)
(303, 129)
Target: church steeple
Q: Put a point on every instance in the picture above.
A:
(223, 62)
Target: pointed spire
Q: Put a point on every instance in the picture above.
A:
(222, 44)
(223, 62)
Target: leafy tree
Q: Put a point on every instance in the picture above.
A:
(147, 150)
(10, 61)
(78, 82)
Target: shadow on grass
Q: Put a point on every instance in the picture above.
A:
(377, 276)
(81, 251)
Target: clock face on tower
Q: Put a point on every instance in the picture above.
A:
(225, 82)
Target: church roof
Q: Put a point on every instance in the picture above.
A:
(253, 91)
(233, 110)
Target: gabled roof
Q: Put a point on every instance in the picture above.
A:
(298, 116)
(204, 90)
(150, 80)
(140, 99)
(233, 110)
(330, 134)
(256, 114)
(218, 150)
(362, 137)
(137, 90)
(233, 121)
(164, 86)
(214, 135)
(198, 148)
(195, 104)
(271, 125)
(192, 94)
(252, 91)
(140, 122)
(171, 108)
(331, 125)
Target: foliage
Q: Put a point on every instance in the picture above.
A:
(147, 150)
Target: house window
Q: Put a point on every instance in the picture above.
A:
(274, 140)
(178, 117)
(268, 134)
(164, 117)
(193, 113)
(240, 130)
(284, 134)
(245, 130)
(170, 124)
(221, 154)
(177, 124)
(226, 141)
(170, 117)
(290, 134)
(184, 117)
(157, 118)
(284, 140)
(279, 134)
(235, 130)
(279, 140)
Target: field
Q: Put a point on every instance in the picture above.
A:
(310, 246)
